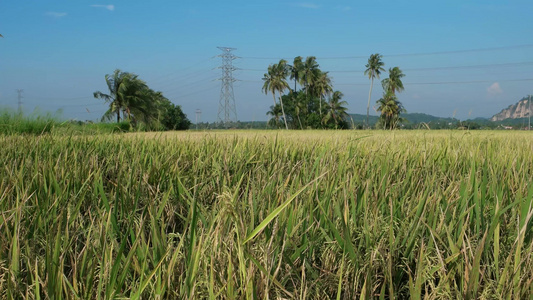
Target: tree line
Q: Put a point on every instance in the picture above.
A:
(316, 104)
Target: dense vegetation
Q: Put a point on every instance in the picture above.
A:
(314, 106)
(314, 215)
(130, 97)
(14, 123)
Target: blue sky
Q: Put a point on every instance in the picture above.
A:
(59, 51)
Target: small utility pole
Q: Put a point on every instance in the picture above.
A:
(529, 115)
(19, 98)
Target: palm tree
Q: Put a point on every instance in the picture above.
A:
(394, 82)
(145, 106)
(276, 113)
(299, 107)
(323, 86)
(127, 94)
(296, 70)
(1, 35)
(336, 109)
(275, 81)
(390, 109)
(309, 72)
(269, 83)
(117, 84)
(374, 67)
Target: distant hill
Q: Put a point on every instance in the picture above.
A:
(516, 111)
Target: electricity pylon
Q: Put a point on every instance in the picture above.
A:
(227, 112)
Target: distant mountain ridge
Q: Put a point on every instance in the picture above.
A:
(515, 111)
(412, 118)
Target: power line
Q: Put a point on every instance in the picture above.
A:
(518, 64)
(183, 69)
(61, 98)
(192, 93)
(409, 54)
(444, 82)
(425, 83)
(178, 79)
(188, 85)
(451, 67)
(80, 105)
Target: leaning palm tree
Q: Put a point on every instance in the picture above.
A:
(145, 106)
(127, 93)
(117, 83)
(336, 109)
(275, 81)
(394, 82)
(374, 67)
(296, 70)
(268, 83)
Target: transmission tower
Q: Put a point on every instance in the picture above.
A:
(19, 99)
(226, 109)
(198, 117)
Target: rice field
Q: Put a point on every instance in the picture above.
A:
(267, 215)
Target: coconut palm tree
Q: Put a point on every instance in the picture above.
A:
(394, 82)
(300, 107)
(275, 81)
(276, 114)
(268, 83)
(390, 109)
(336, 109)
(145, 106)
(374, 67)
(130, 96)
(322, 87)
(117, 83)
(309, 72)
(296, 70)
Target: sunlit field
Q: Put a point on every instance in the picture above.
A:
(267, 215)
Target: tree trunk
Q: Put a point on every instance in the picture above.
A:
(118, 116)
(283, 111)
(369, 95)
(274, 96)
(320, 109)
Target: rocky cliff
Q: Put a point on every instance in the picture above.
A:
(515, 111)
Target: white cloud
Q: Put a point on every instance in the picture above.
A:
(307, 5)
(494, 89)
(56, 14)
(344, 8)
(109, 7)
